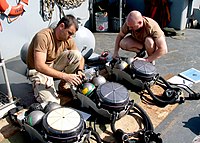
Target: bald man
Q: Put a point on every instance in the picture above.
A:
(139, 34)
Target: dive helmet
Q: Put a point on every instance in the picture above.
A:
(50, 106)
(121, 64)
(35, 117)
(87, 88)
(24, 52)
(98, 79)
(130, 60)
(34, 107)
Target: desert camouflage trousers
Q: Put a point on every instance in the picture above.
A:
(43, 85)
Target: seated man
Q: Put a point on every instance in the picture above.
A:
(145, 35)
(53, 54)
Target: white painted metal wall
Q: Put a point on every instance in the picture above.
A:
(21, 31)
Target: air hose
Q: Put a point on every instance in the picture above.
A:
(171, 94)
(192, 94)
(89, 131)
(145, 135)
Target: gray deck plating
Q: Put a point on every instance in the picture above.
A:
(182, 125)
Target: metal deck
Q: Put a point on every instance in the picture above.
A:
(181, 126)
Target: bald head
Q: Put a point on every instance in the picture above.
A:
(134, 19)
(134, 16)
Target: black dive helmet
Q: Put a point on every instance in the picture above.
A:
(48, 127)
(114, 98)
(146, 72)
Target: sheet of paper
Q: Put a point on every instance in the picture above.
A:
(191, 74)
(179, 80)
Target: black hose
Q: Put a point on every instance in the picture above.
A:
(124, 137)
(165, 82)
(187, 88)
(144, 115)
(114, 116)
(158, 100)
(95, 134)
(113, 120)
(168, 100)
(192, 94)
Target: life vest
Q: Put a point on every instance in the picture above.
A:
(12, 10)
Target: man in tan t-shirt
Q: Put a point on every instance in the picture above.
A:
(52, 53)
(145, 35)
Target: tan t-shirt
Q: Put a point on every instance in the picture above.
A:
(46, 42)
(150, 28)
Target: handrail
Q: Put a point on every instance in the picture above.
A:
(9, 93)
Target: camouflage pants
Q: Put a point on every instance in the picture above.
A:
(43, 85)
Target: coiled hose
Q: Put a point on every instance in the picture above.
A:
(145, 135)
(89, 131)
(171, 94)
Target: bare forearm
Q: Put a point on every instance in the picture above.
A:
(73, 79)
(49, 71)
(117, 45)
(117, 42)
(82, 63)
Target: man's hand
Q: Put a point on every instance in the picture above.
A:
(73, 79)
(115, 56)
(141, 59)
(81, 73)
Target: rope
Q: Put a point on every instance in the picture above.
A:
(47, 7)
(69, 4)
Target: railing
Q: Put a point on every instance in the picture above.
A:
(6, 99)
